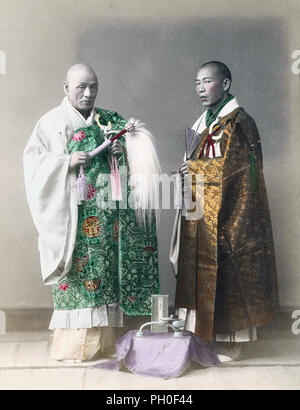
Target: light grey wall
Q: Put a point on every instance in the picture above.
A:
(146, 55)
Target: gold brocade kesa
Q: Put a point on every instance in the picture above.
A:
(227, 267)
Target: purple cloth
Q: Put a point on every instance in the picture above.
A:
(160, 354)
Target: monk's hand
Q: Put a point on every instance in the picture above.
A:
(80, 158)
(116, 148)
(184, 169)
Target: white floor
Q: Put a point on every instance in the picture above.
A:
(271, 363)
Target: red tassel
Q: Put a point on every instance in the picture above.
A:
(210, 143)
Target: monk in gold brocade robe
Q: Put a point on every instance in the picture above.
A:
(225, 264)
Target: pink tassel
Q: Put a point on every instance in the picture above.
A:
(81, 187)
(116, 192)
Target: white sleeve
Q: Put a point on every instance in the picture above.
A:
(48, 187)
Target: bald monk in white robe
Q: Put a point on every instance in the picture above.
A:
(51, 190)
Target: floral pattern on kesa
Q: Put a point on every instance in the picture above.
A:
(91, 191)
(79, 136)
(63, 286)
(116, 231)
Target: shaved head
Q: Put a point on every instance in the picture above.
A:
(81, 87)
(220, 68)
(77, 68)
(213, 83)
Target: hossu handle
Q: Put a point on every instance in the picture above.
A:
(101, 147)
(106, 144)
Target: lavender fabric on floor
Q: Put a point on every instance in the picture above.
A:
(160, 354)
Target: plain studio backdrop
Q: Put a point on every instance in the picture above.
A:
(146, 54)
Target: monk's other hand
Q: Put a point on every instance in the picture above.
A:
(183, 169)
(80, 158)
(116, 148)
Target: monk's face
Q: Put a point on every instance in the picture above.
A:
(210, 86)
(81, 88)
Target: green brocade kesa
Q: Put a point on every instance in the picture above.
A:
(115, 259)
